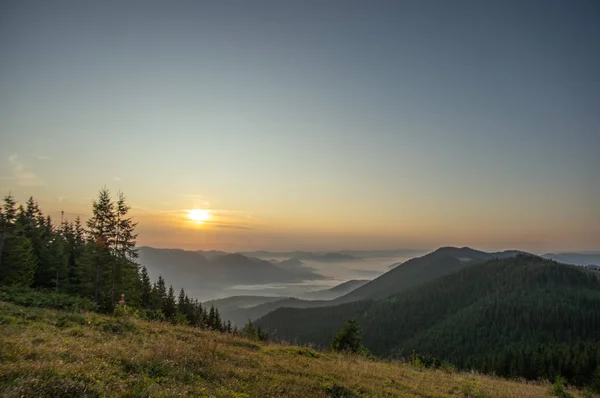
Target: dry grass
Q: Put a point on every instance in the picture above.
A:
(45, 353)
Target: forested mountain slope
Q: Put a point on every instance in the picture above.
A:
(522, 316)
(420, 270)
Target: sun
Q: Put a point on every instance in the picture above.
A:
(199, 215)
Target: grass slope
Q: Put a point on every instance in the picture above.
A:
(47, 353)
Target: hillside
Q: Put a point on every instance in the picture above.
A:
(575, 258)
(195, 272)
(516, 317)
(46, 353)
(240, 309)
(409, 274)
(336, 291)
(420, 270)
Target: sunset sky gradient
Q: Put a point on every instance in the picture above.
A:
(317, 125)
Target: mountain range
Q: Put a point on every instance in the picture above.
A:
(196, 271)
(517, 316)
(409, 274)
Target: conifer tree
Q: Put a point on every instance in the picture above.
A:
(101, 232)
(159, 294)
(19, 264)
(348, 339)
(146, 289)
(8, 216)
(170, 306)
(211, 320)
(125, 272)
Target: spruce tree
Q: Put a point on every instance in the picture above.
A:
(348, 339)
(101, 232)
(8, 216)
(159, 294)
(170, 306)
(20, 263)
(146, 289)
(125, 270)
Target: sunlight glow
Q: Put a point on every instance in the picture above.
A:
(199, 215)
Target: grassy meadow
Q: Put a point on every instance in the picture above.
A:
(49, 353)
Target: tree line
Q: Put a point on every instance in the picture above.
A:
(96, 261)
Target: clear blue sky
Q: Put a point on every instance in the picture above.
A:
(311, 124)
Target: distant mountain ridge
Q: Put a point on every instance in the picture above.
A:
(193, 271)
(334, 292)
(409, 274)
(575, 258)
(413, 272)
(328, 257)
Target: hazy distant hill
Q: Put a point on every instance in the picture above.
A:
(240, 309)
(575, 258)
(234, 303)
(410, 274)
(514, 316)
(330, 257)
(193, 271)
(334, 292)
(420, 270)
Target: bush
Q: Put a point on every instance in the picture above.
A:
(36, 298)
(125, 311)
(558, 388)
(120, 326)
(349, 339)
(152, 315)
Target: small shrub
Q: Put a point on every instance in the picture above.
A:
(125, 311)
(120, 326)
(348, 338)
(338, 391)
(68, 320)
(152, 315)
(558, 388)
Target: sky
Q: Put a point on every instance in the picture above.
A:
(313, 125)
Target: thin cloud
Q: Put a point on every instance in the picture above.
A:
(117, 179)
(43, 157)
(21, 174)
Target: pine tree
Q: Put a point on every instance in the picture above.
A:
(170, 306)
(218, 324)
(8, 216)
(159, 294)
(125, 271)
(19, 264)
(146, 289)
(181, 307)
(211, 320)
(101, 232)
(348, 339)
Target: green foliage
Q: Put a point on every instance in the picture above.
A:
(558, 388)
(34, 298)
(87, 269)
(119, 326)
(18, 261)
(125, 311)
(348, 339)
